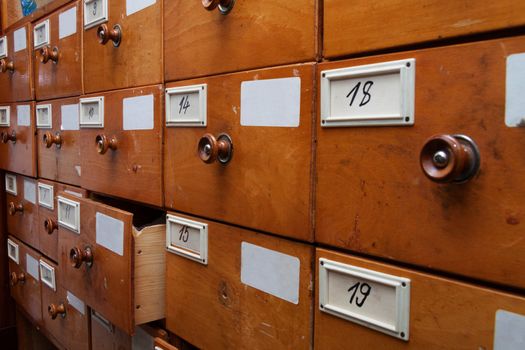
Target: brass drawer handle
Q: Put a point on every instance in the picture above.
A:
(6, 66)
(225, 6)
(50, 225)
(104, 143)
(14, 208)
(17, 278)
(6, 136)
(105, 34)
(55, 310)
(47, 54)
(78, 256)
(211, 149)
(49, 139)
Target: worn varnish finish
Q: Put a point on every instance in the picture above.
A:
(212, 300)
(137, 61)
(20, 156)
(373, 197)
(64, 78)
(60, 163)
(22, 224)
(18, 84)
(360, 26)
(267, 183)
(137, 160)
(443, 313)
(253, 35)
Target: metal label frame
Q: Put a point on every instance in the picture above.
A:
(11, 189)
(201, 121)
(76, 207)
(50, 188)
(44, 266)
(201, 257)
(13, 251)
(7, 110)
(45, 25)
(3, 47)
(103, 17)
(84, 121)
(49, 123)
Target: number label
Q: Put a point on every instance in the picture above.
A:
(69, 214)
(187, 238)
(3, 47)
(43, 116)
(364, 289)
(41, 34)
(10, 184)
(13, 251)
(186, 106)
(45, 196)
(5, 116)
(95, 12)
(92, 112)
(47, 275)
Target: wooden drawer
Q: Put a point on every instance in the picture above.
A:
(22, 210)
(58, 137)
(360, 26)
(57, 53)
(244, 290)
(443, 313)
(267, 115)
(17, 137)
(117, 268)
(25, 278)
(373, 195)
(161, 344)
(137, 60)
(16, 71)
(47, 224)
(251, 36)
(65, 316)
(125, 143)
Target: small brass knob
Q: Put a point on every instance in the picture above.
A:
(55, 310)
(6, 136)
(78, 256)
(6, 66)
(105, 34)
(49, 139)
(13, 208)
(104, 143)
(47, 54)
(225, 6)
(17, 278)
(211, 149)
(50, 225)
(450, 158)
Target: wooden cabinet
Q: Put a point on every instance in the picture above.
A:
(22, 210)
(239, 148)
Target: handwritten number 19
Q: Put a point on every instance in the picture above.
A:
(364, 289)
(366, 93)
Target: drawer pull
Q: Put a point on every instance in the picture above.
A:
(46, 54)
(13, 208)
(211, 149)
(49, 139)
(55, 310)
(6, 136)
(6, 66)
(225, 6)
(17, 278)
(450, 158)
(104, 143)
(78, 256)
(50, 225)
(105, 34)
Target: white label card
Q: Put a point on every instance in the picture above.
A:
(44, 115)
(110, 233)
(187, 238)
(3, 47)
(369, 298)
(67, 23)
(13, 251)
(5, 116)
(92, 112)
(133, 6)
(76, 303)
(515, 86)
(137, 113)
(41, 34)
(46, 196)
(20, 39)
(272, 272)
(23, 114)
(47, 275)
(69, 214)
(10, 184)
(32, 267)
(272, 102)
(95, 12)
(70, 119)
(509, 333)
(30, 191)
(187, 105)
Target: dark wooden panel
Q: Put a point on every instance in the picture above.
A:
(23, 224)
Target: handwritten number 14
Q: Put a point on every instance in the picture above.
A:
(184, 104)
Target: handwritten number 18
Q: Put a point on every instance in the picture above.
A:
(364, 289)
(366, 93)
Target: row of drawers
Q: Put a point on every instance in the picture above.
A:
(375, 190)
(146, 42)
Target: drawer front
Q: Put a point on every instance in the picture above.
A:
(126, 145)
(97, 262)
(16, 73)
(137, 60)
(250, 36)
(261, 176)
(373, 195)
(17, 137)
(227, 299)
(58, 138)
(105, 336)
(359, 26)
(22, 210)
(434, 302)
(57, 53)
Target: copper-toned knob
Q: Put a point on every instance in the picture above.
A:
(78, 256)
(17, 278)
(450, 158)
(46, 54)
(50, 225)
(6, 66)
(55, 310)
(105, 34)
(49, 139)
(8, 136)
(13, 208)
(105, 143)
(211, 149)
(225, 6)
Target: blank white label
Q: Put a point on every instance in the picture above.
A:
(137, 113)
(133, 6)
(110, 233)
(515, 87)
(187, 238)
(23, 115)
(67, 23)
(272, 102)
(30, 191)
(509, 332)
(76, 303)
(270, 271)
(20, 39)
(70, 120)
(32, 267)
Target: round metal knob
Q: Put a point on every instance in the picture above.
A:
(49, 139)
(6, 66)
(50, 225)
(211, 149)
(450, 158)
(104, 143)
(13, 208)
(105, 34)
(47, 54)
(78, 256)
(6, 136)
(225, 6)
(55, 310)
(17, 278)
